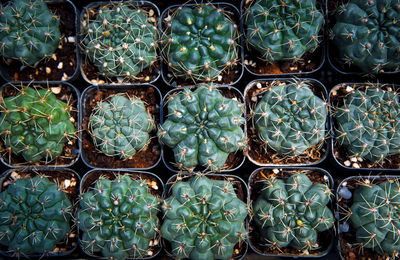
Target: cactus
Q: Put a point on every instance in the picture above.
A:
(120, 41)
(34, 216)
(118, 218)
(368, 124)
(28, 31)
(291, 213)
(203, 219)
(283, 30)
(200, 42)
(121, 126)
(375, 215)
(366, 34)
(290, 118)
(202, 128)
(35, 124)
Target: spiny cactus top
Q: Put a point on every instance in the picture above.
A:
(28, 31)
(200, 42)
(34, 216)
(204, 219)
(120, 41)
(368, 124)
(367, 34)
(375, 214)
(283, 30)
(121, 126)
(291, 213)
(118, 218)
(203, 127)
(290, 118)
(35, 124)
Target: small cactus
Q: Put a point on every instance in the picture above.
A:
(121, 126)
(35, 124)
(120, 41)
(202, 128)
(34, 216)
(29, 32)
(118, 218)
(203, 219)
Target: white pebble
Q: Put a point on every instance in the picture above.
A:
(353, 159)
(355, 165)
(347, 163)
(60, 65)
(275, 170)
(349, 89)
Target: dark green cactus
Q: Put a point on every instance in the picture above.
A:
(290, 118)
(121, 42)
(118, 218)
(368, 124)
(291, 213)
(283, 30)
(203, 219)
(200, 42)
(34, 216)
(202, 128)
(366, 34)
(28, 31)
(35, 124)
(121, 126)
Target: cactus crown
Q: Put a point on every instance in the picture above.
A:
(34, 216)
(202, 128)
(290, 118)
(203, 219)
(120, 41)
(368, 124)
(28, 31)
(283, 30)
(291, 213)
(200, 42)
(121, 126)
(35, 124)
(118, 218)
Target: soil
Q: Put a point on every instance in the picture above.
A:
(325, 239)
(70, 152)
(146, 158)
(257, 150)
(59, 67)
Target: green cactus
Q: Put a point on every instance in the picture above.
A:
(203, 219)
(283, 30)
(375, 214)
(366, 34)
(368, 124)
(290, 118)
(121, 42)
(200, 42)
(291, 213)
(35, 124)
(28, 31)
(34, 216)
(118, 218)
(202, 128)
(121, 126)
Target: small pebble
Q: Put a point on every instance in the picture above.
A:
(360, 159)
(259, 85)
(353, 159)
(349, 89)
(347, 163)
(48, 70)
(219, 78)
(345, 193)
(54, 57)
(71, 39)
(149, 252)
(246, 62)
(356, 165)
(151, 12)
(154, 185)
(254, 99)
(64, 77)
(60, 65)
(56, 90)
(276, 171)
(147, 78)
(72, 119)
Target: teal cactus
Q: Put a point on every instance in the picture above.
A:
(29, 31)
(200, 42)
(375, 215)
(291, 213)
(366, 34)
(34, 216)
(283, 30)
(290, 118)
(35, 124)
(121, 41)
(120, 126)
(368, 124)
(202, 128)
(118, 218)
(203, 219)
